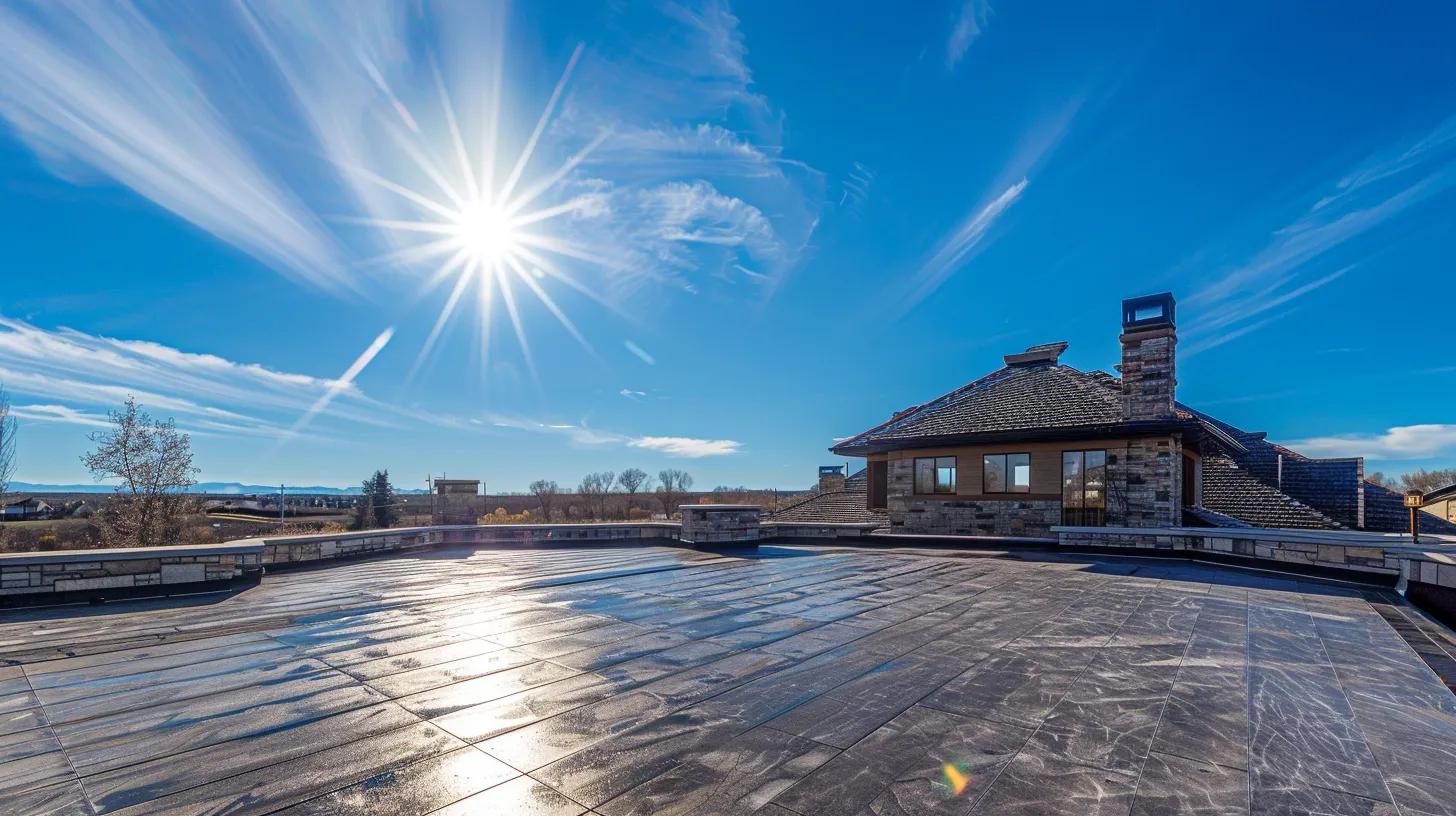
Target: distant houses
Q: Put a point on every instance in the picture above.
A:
(27, 509)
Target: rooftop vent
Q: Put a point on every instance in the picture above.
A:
(1044, 353)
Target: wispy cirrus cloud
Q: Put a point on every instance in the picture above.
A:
(1336, 228)
(1400, 442)
(101, 89)
(60, 413)
(970, 22)
(855, 188)
(207, 393)
(976, 230)
(959, 247)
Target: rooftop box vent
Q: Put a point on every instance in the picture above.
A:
(1149, 311)
(1044, 353)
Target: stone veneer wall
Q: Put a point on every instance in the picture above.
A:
(1146, 483)
(920, 515)
(29, 574)
(719, 523)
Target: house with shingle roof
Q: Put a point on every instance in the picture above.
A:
(1037, 444)
(839, 500)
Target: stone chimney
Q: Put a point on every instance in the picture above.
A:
(1149, 338)
(831, 478)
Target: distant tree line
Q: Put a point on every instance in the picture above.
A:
(1418, 479)
(607, 494)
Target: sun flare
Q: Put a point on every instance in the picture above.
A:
(486, 234)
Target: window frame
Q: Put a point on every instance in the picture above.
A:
(937, 488)
(1080, 513)
(1008, 482)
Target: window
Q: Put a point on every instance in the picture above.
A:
(1006, 473)
(935, 474)
(1084, 488)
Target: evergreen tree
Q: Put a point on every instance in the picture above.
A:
(381, 496)
(364, 509)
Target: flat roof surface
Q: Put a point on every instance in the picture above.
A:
(659, 680)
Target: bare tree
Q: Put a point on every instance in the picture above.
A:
(154, 463)
(1427, 480)
(545, 492)
(1381, 479)
(7, 442)
(632, 480)
(671, 485)
(594, 489)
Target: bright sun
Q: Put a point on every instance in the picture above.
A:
(486, 234)
(489, 233)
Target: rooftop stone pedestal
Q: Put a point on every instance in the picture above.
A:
(708, 525)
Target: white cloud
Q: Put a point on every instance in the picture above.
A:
(1401, 442)
(632, 395)
(972, 20)
(688, 447)
(678, 446)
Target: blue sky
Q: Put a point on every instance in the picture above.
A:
(739, 232)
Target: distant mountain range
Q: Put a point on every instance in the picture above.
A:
(223, 488)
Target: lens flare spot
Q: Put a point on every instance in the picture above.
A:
(955, 780)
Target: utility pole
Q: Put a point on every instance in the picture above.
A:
(280, 507)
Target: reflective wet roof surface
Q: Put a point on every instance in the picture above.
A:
(657, 680)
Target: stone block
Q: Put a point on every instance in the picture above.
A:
(183, 573)
(84, 584)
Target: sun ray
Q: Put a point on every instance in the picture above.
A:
(546, 213)
(559, 247)
(550, 304)
(455, 138)
(411, 254)
(508, 295)
(535, 190)
(433, 227)
(402, 191)
(428, 167)
(462, 282)
(492, 123)
(525, 157)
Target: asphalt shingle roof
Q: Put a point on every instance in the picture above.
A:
(846, 506)
(1233, 491)
(1015, 398)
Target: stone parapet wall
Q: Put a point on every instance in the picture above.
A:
(1374, 556)
(720, 523)
(804, 530)
(324, 547)
(28, 575)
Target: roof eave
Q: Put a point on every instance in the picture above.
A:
(1028, 435)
